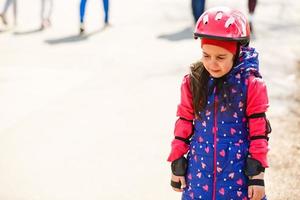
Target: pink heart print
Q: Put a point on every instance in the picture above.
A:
(239, 182)
(199, 175)
(232, 131)
(239, 193)
(235, 115)
(223, 109)
(222, 191)
(200, 139)
(207, 113)
(193, 151)
(241, 104)
(206, 149)
(222, 153)
(231, 175)
(219, 169)
(195, 158)
(205, 187)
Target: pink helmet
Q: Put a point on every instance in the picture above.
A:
(223, 23)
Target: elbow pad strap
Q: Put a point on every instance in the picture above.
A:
(268, 126)
(259, 137)
(257, 115)
(176, 184)
(185, 140)
(186, 119)
(260, 182)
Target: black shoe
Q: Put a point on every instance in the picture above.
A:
(81, 29)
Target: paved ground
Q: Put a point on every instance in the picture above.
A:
(92, 117)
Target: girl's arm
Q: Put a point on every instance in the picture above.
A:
(257, 105)
(184, 124)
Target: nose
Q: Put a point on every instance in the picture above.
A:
(213, 64)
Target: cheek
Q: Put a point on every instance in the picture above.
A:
(205, 62)
(227, 66)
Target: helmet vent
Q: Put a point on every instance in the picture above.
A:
(219, 16)
(229, 22)
(205, 19)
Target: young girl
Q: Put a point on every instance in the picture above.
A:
(222, 122)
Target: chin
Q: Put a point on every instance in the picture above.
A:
(216, 75)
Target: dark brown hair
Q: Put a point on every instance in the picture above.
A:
(199, 86)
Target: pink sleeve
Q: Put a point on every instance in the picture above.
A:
(257, 102)
(183, 125)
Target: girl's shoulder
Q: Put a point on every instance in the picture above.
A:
(186, 81)
(256, 83)
(253, 80)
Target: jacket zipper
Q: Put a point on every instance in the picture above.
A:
(215, 142)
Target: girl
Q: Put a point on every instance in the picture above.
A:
(222, 122)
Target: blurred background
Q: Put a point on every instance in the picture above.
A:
(90, 114)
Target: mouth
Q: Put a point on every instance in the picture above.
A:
(215, 71)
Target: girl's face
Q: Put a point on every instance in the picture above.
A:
(216, 60)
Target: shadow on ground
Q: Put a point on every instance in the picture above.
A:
(74, 38)
(3, 31)
(185, 34)
(28, 32)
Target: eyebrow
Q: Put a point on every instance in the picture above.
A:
(220, 55)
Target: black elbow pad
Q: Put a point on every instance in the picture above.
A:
(253, 167)
(179, 166)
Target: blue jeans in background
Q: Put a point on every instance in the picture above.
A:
(82, 10)
(197, 8)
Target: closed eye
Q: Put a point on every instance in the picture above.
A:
(205, 55)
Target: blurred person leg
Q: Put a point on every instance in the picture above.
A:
(198, 7)
(15, 11)
(106, 11)
(82, 14)
(46, 11)
(3, 13)
(251, 10)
